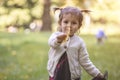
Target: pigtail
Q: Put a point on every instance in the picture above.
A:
(56, 9)
(86, 11)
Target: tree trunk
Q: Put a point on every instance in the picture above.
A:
(46, 18)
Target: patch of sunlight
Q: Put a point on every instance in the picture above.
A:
(110, 29)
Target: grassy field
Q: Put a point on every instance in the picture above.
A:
(24, 56)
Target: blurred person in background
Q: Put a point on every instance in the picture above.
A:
(100, 36)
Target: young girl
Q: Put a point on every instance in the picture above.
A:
(67, 52)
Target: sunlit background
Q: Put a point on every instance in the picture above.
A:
(25, 26)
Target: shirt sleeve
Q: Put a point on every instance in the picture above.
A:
(52, 42)
(86, 62)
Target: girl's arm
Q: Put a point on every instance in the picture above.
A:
(56, 39)
(85, 61)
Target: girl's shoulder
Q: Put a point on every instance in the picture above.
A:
(78, 38)
(81, 41)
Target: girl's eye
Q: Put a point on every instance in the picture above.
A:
(74, 23)
(65, 21)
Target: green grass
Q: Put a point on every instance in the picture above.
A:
(24, 56)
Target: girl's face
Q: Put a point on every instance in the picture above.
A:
(69, 23)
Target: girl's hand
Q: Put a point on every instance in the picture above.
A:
(61, 38)
(100, 75)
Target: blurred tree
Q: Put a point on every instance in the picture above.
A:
(23, 12)
(19, 12)
(46, 17)
(58, 3)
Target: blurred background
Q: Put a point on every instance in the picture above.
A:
(25, 26)
(37, 15)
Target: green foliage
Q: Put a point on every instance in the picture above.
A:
(17, 16)
(24, 56)
(37, 12)
(19, 12)
(3, 10)
(58, 3)
(21, 16)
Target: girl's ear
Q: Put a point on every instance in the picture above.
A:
(59, 23)
(79, 26)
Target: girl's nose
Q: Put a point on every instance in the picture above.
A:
(69, 25)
